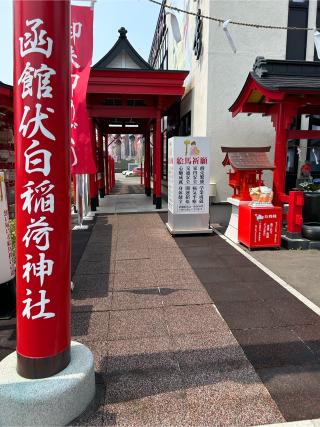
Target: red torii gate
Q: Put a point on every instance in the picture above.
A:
(136, 94)
(282, 90)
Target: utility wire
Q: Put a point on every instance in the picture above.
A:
(242, 24)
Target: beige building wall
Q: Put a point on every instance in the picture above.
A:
(181, 56)
(217, 78)
(228, 72)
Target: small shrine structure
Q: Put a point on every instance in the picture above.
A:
(283, 90)
(248, 164)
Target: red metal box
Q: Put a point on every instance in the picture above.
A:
(260, 227)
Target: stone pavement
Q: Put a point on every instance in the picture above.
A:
(127, 185)
(128, 203)
(128, 196)
(187, 331)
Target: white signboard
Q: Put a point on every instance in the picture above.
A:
(188, 175)
(7, 268)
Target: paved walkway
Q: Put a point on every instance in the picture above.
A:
(128, 197)
(187, 331)
(127, 185)
(128, 203)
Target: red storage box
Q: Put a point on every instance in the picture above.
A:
(260, 227)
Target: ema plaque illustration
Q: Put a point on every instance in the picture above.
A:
(188, 185)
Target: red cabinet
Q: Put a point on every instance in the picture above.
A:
(260, 227)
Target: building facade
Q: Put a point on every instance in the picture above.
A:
(217, 74)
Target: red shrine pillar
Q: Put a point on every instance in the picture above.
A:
(157, 161)
(106, 166)
(93, 186)
(147, 187)
(113, 180)
(42, 140)
(280, 156)
(109, 174)
(153, 164)
(100, 173)
(295, 198)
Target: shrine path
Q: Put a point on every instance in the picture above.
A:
(187, 331)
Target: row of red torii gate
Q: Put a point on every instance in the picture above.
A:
(126, 92)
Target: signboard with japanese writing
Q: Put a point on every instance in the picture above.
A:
(188, 175)
(82, 154)
(260, 227)
(7, 268)
(42, 139)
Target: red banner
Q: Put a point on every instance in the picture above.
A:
(82, 155)
(42, 145)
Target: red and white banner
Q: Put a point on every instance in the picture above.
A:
(82, 155)
(42, 148)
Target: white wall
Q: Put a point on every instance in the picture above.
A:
(123, 61)
(228, 73)
(217, 78)
(181, 56)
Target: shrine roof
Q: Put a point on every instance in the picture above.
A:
(285, 74)
(273, 80)
(247, 158)
(122, 55)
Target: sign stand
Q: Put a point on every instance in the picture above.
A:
(188, 185)
(7, 267)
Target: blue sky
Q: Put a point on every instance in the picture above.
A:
(138, 16)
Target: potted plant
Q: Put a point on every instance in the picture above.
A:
(311, 210)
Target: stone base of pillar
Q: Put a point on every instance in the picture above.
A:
(154, 199)
(158, 203)
(147, 192)
(93, 204)
(102, 192)
(56, 400)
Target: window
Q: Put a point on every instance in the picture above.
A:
(315, 56)
(313, 152)
(185, 125)
(297, 40)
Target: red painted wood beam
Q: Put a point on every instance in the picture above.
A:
(125, 131)
(7, 91)
(6, 102)
(121, 111)
(303, 134)
(309, 109)
(149, 78)
(135, 89)
(251, 107)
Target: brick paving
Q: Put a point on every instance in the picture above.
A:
(163, 354)
(186, 331)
